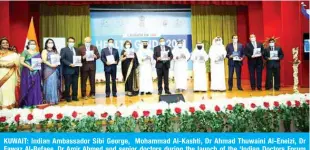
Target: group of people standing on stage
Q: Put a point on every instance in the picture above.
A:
(39, 85)
(255, 52)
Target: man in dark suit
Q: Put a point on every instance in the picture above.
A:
(163, 56)
(235, 56)
(88, 70)
(254, 51)
(70, 72)
(273, 55)
(110, 67)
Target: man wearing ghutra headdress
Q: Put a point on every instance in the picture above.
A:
(217, 55)
(199, 58)
(180, 58)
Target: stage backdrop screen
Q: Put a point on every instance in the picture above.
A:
(137, 26)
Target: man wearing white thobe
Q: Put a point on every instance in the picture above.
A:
(217, 55)
(180, 58)
(145, 57)
(199, 58)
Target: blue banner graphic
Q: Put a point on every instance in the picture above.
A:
(154, 141)
(137, 26)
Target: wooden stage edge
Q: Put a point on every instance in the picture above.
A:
(189, 95)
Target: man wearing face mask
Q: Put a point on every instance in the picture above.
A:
(199, 58)
(254, 51)
(180, 58)
(145, 58)
(273, 55)
(70, 72)
(235, 57)
(217, 54)
(110, 59)
(88, 69)
(163, 56)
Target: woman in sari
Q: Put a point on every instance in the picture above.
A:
(129, 69)
(30, 92)
(51, 74)
(9, 62)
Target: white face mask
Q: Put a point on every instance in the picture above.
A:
(32, 47)
(70, 45)
(180, 45)
(127, 46)
(110, 45)
(87, 44)
(271, 44)
(162, 43)
(253, 39)
(50, 45)
(218, 42)
(235, 40)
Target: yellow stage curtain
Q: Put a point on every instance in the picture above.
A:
(211, 21)
(65, 21)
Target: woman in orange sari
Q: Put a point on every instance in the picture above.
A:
(9, 62)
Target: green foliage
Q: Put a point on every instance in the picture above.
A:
(164, 122)
(88, 124)
(301, 118)
(237, 119)
(207, 48)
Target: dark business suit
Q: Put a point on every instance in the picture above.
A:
(88, 70)
(71, 74)
(110, 70)
(234, 65)
(255, 65)
(273, 68)
(162, 68)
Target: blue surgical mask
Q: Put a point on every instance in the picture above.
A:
(32, 47)
(110, 45)
(271, 44)
(70, 45)
(87, 44)
(162, 43)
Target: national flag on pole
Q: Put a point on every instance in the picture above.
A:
(31, 35)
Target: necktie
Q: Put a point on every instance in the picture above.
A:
(110, 51)
(72, 51)
(254, 44)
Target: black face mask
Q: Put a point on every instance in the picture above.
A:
(144, 46)
(199, 47)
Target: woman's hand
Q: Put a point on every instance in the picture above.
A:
(9, 65)
(31, 69)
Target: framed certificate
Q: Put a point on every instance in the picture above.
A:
(236, 58)
(77, 61)
(202, 59)
(164, 55)
(235, 53)
(90, 56)
(257, 52)
(130, 54)
(110, 59)
(182, 56)
(36, 63)
(274, 55)
(55, 59)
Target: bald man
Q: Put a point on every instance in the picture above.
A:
(89, 55)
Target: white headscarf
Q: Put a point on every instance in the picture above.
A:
(214, 42)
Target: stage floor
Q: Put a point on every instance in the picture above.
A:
(189, 95)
